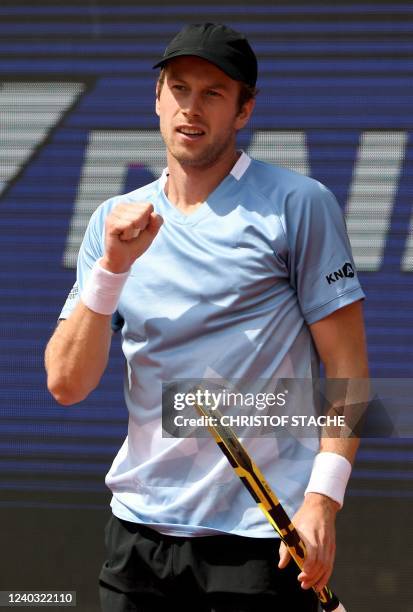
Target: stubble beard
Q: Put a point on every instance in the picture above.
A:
(205, 158)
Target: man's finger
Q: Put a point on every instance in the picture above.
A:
(323, 580)
(318, 581)
(313, 567)
(312, 560)
(316, 574)
(129, 234)
(152, 226)
(128, 221)
(285, 556)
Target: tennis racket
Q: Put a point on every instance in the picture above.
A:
(264, 496)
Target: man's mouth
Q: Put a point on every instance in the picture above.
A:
(190, 132)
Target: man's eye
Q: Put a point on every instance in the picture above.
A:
(212, 93)
(178, 87)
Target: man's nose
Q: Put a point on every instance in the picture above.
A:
(193, 104)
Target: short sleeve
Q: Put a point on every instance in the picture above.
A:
(90, 250)
(320, 261)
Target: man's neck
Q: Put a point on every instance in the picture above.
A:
(187, 187)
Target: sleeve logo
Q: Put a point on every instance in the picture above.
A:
(347, 271)
(74, 292)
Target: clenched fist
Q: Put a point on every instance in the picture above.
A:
(129, 231)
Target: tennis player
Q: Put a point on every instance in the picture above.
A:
(228, 267)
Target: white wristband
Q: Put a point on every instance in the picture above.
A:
(330, 476)
(103, 289)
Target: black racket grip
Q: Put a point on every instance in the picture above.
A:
(332, 603)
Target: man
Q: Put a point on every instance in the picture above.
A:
(218, 268)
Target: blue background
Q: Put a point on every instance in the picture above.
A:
(333, 72)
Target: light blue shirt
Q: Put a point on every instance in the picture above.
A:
(225, 292)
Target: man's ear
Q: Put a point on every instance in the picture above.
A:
(158, 93)
(244, 114)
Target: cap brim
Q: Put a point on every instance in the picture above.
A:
(217, 61)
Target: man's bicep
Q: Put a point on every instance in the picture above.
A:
(341, 343)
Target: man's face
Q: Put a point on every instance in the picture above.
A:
(199, 113)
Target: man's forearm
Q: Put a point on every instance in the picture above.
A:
(348, 397)
(77, 354)
(346, 447)
(341, 344)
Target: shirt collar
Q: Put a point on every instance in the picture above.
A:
(237, 171)
(241, 166)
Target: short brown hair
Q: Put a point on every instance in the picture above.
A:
(246, 92)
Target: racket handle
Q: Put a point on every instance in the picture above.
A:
(333, 605)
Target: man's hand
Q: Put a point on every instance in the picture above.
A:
(315, 522)
(129, 231)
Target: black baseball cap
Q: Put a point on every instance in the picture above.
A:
(219, 44)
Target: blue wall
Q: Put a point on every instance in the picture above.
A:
(336, 93)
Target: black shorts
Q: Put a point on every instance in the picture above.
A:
(148, 571)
